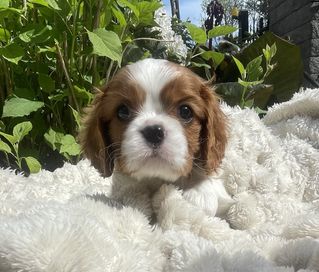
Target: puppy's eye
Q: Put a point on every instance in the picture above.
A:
(186, 113)
(123, 113)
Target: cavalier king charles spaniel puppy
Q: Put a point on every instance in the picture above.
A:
(155, 120)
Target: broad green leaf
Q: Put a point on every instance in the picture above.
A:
(22, 129)
(131, 6)
(4, 3)
(4, 35)
(198, 34)
(16, 106)
(70, 146)
(221, 31)
(53, 138)
(119, 16)
(254, 69)
(46, 83)
(33, 164)
(215, 56)
(36, 34)
(146, 11)
(12, 52)
(4, 147)
(240, 67)
(12, 140)
(106, 43)
(47, 3)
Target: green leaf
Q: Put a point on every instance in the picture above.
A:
(215, 56)
(146, 11)
(70, 146)
(16, 106)
(249, 83)
(76, 116)
(36, 34)
(198, 34)
(4, 3)
(249, 103)
(240, 67)
(33, 164)
(106, 43)
(288, 75)
(12, 140)
(12, 52)
(22, 129)
(221, 31)
(4, 35)
(47, 3)
(119, 16)
(82, 94)
(46, 83)
(9, 12)
(4, 147)
(254, 69)
(2, 126)
(273, 50)
(132, 7)
(53, 138)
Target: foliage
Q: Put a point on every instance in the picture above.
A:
(52, 55)
(19, 132)
(239, 76)
(253, 75)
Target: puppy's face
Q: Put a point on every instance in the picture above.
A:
(155, 119)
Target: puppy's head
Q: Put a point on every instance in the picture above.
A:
(154, 119)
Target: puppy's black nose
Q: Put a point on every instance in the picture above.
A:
(154, 135)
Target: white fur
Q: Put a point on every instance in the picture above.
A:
(152, 75)
(271, 173)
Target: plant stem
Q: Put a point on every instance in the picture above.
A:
(68, 79)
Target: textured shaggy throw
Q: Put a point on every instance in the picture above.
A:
(74, 220)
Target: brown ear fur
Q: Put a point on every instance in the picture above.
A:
(94, 139)
(213, 133)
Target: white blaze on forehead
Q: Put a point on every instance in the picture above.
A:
(152, 75)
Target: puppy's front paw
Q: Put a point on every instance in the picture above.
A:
(210, 196)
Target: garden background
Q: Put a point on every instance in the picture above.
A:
(54, 54)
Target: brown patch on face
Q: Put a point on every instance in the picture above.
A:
(206, 133)
(103, 131)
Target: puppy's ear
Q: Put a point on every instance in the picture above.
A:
(94, 138)
(213, 132)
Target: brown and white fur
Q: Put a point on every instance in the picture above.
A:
(137, 125)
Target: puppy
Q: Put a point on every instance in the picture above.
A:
(155, 120)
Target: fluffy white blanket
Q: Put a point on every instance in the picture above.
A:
(74, 220)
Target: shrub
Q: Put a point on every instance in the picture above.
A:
(53, 54)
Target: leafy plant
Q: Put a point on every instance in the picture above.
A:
(11, 148)
(53, 54)
(254, 88)
(253, 75)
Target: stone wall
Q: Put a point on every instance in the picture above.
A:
(298, 20)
